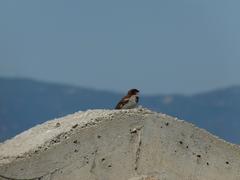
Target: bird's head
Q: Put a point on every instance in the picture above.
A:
(133, 92)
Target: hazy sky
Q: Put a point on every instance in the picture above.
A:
(158, 46)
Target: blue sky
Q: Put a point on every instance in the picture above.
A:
(158, 46)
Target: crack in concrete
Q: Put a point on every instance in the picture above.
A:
(138, 151)
(34, 178)
(94, 163)
(54, 171)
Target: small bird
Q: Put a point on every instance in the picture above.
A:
(129, 101)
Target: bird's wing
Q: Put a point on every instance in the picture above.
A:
(122, 103)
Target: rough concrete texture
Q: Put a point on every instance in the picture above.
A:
(135, 144)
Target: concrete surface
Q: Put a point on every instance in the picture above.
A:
(135, 144)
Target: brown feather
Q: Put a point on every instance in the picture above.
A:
(126, 98)
(122, 102)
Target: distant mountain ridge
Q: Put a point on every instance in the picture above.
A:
(25, 103)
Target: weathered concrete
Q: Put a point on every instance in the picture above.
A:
(118, 145)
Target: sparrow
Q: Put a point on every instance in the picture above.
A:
(129, 101)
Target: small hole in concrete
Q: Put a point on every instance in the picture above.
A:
(161, 126)
(187, 147)
(208, 163)
(103, 159)
(133, 131)
(75, 150)
(198, 155)
(74, 126)
(99, 136)
(57, 124)
(75, 141)
(180, 142)
(166, 123)
(109, 165)
(227, 162)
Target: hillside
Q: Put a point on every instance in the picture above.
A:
(25, 103)
(133, 144)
